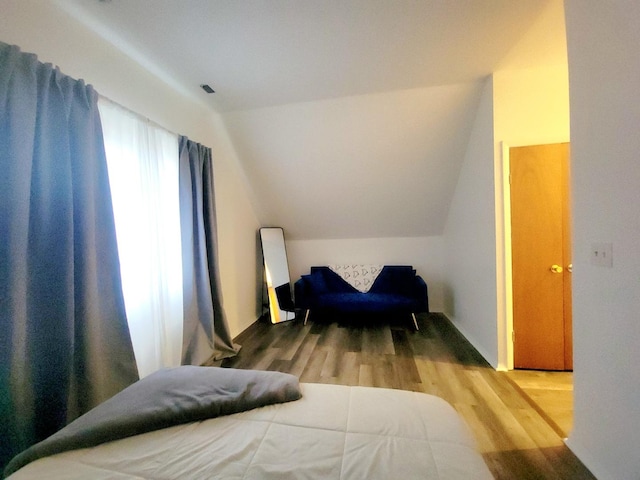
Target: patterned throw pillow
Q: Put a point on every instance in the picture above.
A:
(360, 277)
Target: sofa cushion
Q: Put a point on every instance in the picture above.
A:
(397, 279)
(366, 302)
(332, 281)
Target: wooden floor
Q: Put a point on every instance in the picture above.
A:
(551, 393)
(514, 438)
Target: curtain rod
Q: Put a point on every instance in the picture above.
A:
(142, 117)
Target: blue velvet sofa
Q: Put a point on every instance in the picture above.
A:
(396, 290)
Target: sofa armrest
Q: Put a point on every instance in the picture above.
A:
(421, 293)
(302, 292)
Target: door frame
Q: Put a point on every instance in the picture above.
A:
(504, 281)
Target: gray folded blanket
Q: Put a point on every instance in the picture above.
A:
(163, 399)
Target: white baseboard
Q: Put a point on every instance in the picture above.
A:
(471, 340)
(587, 459)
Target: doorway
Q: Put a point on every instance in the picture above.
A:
(541, 257)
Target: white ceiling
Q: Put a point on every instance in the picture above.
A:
(350, 117)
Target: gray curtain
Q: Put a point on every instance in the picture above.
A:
(64, 340)
(206, 333)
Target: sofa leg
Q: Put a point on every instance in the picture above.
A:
(306, 316)
(415, 321)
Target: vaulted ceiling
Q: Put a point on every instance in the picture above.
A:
(350, 117)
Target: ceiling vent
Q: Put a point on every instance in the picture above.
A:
(207, 88)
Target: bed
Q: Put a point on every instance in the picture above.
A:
(257, 425)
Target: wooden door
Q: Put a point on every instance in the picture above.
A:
(541, 256)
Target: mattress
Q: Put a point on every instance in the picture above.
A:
(332, 432)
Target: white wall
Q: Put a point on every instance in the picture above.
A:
(604, 72)
(41, 28)
(237, 239)
(424, 253)
(531, 106)
(470, 238)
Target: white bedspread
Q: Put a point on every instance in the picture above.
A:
(333, 432)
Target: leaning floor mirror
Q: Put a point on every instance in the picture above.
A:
(276, 274)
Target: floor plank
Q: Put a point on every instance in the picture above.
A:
(516, 440)
(551, 393)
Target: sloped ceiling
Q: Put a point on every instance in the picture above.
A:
(376, 165)
(349, 117)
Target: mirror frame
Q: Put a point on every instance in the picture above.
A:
(276, 273)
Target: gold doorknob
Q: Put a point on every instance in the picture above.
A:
(556, 268)
(570, 268)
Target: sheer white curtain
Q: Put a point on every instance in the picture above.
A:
(144, 176)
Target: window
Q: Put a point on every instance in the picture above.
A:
(143, 173)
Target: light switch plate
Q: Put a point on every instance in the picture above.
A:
(602, 254)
